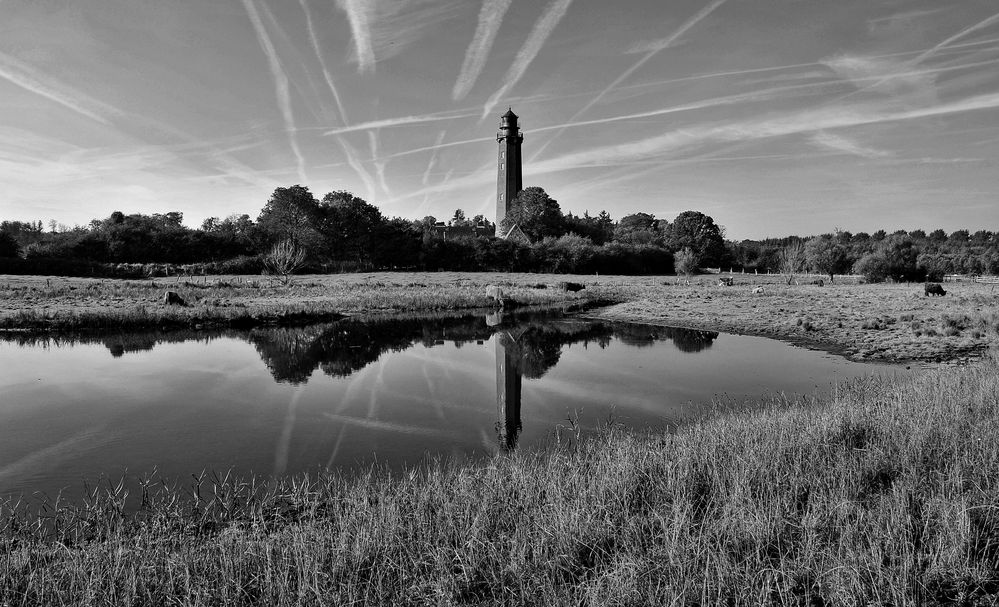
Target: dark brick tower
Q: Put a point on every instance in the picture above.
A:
(509, 180)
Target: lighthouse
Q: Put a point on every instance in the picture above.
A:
(509, 179)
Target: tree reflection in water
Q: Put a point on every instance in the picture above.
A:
(528, 344)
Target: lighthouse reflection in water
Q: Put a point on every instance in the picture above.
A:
(355, 393)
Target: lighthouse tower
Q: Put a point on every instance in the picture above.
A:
(509, 180)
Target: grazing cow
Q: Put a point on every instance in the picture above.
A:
(933, 288)
(726, 281)
(758, 291)
(572, 287)
(172, 298)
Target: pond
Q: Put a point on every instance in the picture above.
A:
(349, 394)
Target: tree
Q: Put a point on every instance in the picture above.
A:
(698, 232)
(637, 228)
(791, 260)
(284, 258)
(825, 255)
(350, 226)
(537, 214)
(8, 245)
(685, 262)
(291, 214)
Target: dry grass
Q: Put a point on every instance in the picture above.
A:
(861, 321)
(57, 304)
(886, 493)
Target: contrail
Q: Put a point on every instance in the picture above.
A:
(665, 43)
(322, 62)
(32, 80)
(542, 29)
(961, 34)
(390, 122)
(927, 53)
(433, 158)
(373, 142)
(353, 160)
(490, 19)
(360, 26)
(280, 83)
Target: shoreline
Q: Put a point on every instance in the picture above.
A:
(861, 322)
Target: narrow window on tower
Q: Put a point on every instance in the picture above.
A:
(501, 197)
(502, 154)
(501, 166)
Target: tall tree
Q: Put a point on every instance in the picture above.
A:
(537, 214)
(291, 214)
(825, 255)
(698, 232)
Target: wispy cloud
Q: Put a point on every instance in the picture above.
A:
(433, 158)
(375, 144)
(354, 161)
(899, 78)
(359, 14)
(280, 84)
(384, 28)
(543, 28)
(33, 80)
(809, 121)
(490, 19)
(654, 50)
(839, 143)
(322, 62)
(398, 121)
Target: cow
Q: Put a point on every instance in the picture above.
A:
(758, 291)
(173, 298)
(933, 288)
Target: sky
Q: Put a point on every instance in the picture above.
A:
(774, 117)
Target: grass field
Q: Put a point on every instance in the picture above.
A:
(861, 321)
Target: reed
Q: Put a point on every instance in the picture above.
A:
(885, 492)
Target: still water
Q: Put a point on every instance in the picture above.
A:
(349, 394)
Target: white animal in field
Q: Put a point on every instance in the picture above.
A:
(758, 291)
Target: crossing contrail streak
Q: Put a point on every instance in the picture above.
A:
(280, 84)
(490, 19)
(322, 62)
(360, 26)
(542, 29)
(663, 44)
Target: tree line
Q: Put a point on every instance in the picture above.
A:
(297, 232)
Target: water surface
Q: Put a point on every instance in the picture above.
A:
(349, 394)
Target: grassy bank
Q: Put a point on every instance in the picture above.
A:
(41, 304)
(861, 321)
(885, 493)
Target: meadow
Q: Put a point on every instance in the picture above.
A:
(884, 492)
(885, 322)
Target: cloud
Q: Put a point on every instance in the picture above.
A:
(900, 20)
(897, 78)
(354, 161)
(889, 76)
(33, 80)
(654, 49)
(398, 121)
(433, 158)
(809, 121)
(842, 144)
(359, 14)
(280, 84)
(385, 28)
(543, 28)
(490, 18)
(322, 62)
